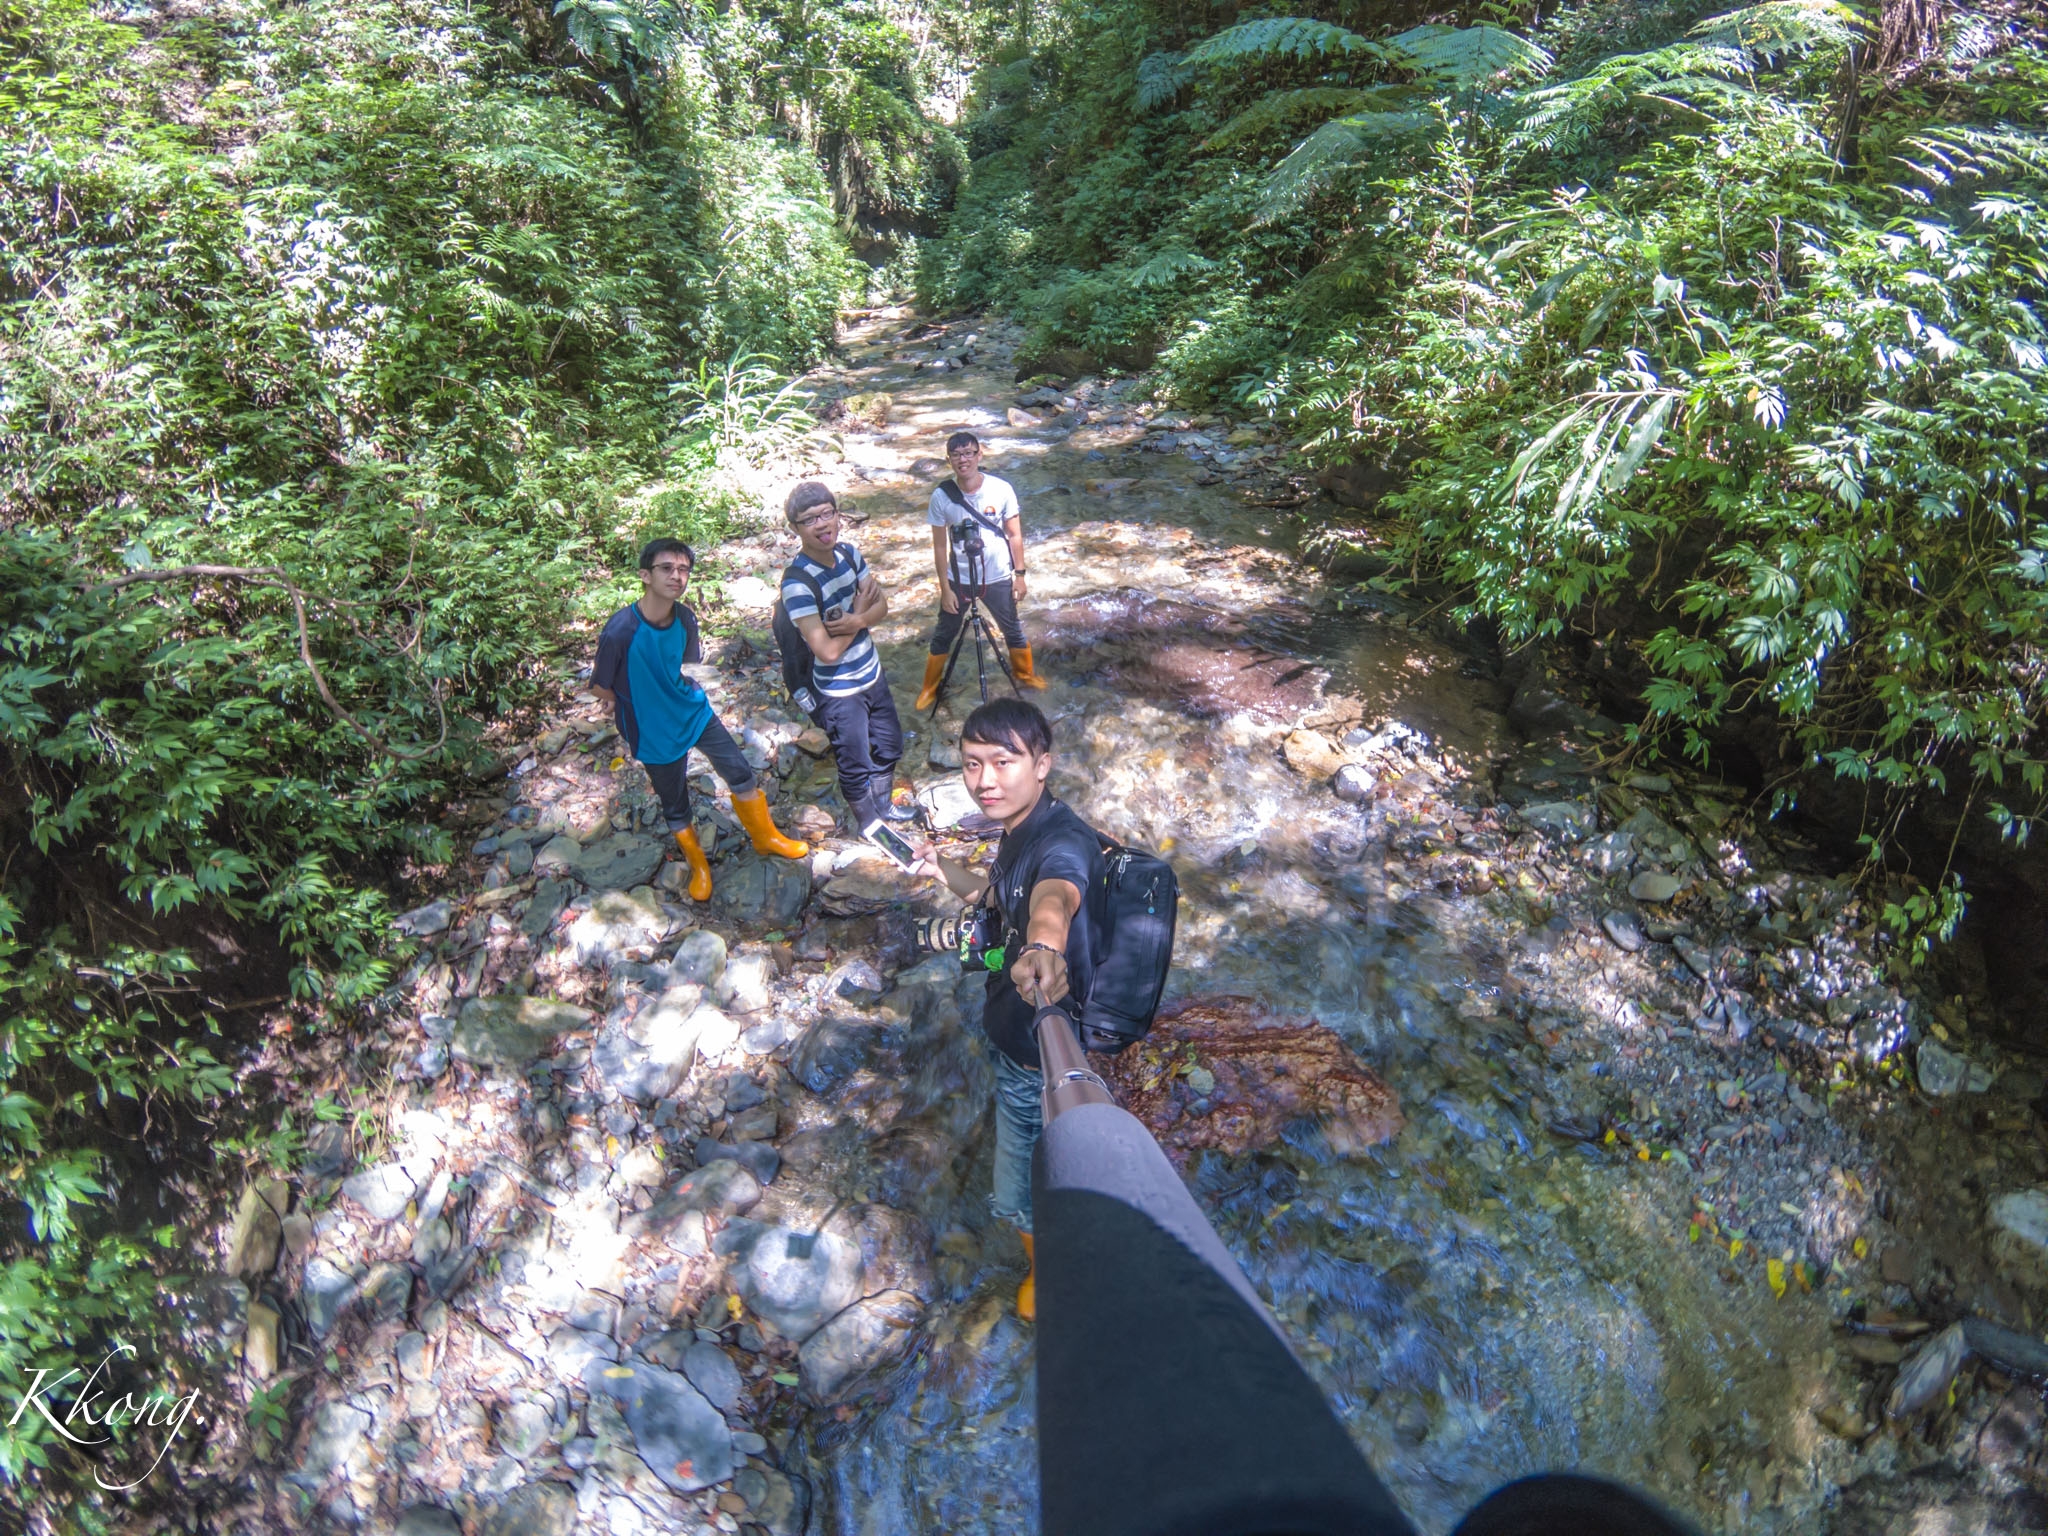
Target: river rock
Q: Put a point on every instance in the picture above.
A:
(744, 986)
(424, 922)
(616, 922)
(833, 1050)
(712, 1372)
(384, 1191)
(1352, 784)
(797, 1281)
(338, 1431)
(326, 1290)
(647, 1059)
(868, 886)
(1623, 928)
(776, 1501)
(757, 1157)
(1615, 851)
(866, 1336)
(679, 1434)
(1944, 1072)
(700, 958)
(1655, 886)
(724, 1186)
(1925, 1377)
(518, 860)
(549, 897)
(253, 1241)
(558, 855)
(1561, 818)
(573, 1353)
(2019, 1228)
(1312, 755)
(620, 862)
(259, 1342)
(415, 1356)
(511, 1032)
(428, 1520)
(537, 1509)
(386, 1291)
(768, 892)
(1269, 1071)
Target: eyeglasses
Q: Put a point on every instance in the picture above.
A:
(671, 570)
(828, 515)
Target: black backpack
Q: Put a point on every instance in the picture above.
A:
(797, 659)
(1137, 944)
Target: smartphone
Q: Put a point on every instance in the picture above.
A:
(886, 838)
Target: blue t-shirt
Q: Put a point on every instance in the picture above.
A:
(660, 712)
(859, 667)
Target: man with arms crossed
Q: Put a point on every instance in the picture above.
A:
(978, 547)
(832, 597)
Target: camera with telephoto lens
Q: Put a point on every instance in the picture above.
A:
(975, 934)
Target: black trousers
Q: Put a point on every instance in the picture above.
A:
(867, 739)
(1000, 601)
(671, 781)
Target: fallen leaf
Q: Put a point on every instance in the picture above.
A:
(1774, 1271)
(786, 1378)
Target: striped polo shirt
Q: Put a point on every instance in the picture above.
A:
(859, 668)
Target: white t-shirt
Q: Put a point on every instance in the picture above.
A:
(996, 501)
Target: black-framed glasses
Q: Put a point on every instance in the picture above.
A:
(672, 570)
(823, 517)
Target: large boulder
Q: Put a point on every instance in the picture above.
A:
(797, 1281)
(620, 862)
(866, 1336)
(679, 1434)
(765, 892)
(511, 1032)
(617, 923)
(647, 1058)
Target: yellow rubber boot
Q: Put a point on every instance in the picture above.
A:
(1020, 667)
(752, 810)
(1027, 1293)
(934, 669)
(700, 867)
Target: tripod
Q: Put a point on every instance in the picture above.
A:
(985, 640)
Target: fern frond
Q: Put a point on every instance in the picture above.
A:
(1687, 77)
(1169, 265)
(1161, 77)
(1785, 26)
(1280, 107)
(1289, 37)
(1332, 150)
(1960, 152)
(1467, 56)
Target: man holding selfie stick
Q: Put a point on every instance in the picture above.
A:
(978, 548)
(1048, 890)
(831, 597)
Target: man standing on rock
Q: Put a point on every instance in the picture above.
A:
(661, 714)
(978, 547)
(832, 598)
(1048, 887)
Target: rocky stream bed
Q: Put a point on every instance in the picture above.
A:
(1561, 1107)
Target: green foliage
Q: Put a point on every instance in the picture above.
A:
(1649, 351)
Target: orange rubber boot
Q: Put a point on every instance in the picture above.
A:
(1020, 667)
(934, 669)
(700, 867)
(1027, 1293)
(752, 811)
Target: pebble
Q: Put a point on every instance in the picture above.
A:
(1352, 784)
(415, 1355)
(1926, 1376)
(537, 1509)
(1655, 886)
(386, 1291)
(384, 1191)
(1623, 928)
(326, 1291)
(1615, 851)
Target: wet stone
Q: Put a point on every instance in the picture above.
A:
(538, 1509)
(1569, 819)
(1352, 784)
(572, 1351)
(757, 1157)
(1615, 851)
(522, 1429)
(384, 1191)
(415, 1354)
(549, 897)
(865, 1337)
(761, 891)
(1623, 928)
(711, 1371)
(428, 1520)
(797, 1281)
(779, 1503)
(1655, 886)
(681, 1437)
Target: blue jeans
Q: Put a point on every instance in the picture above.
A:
(1019, 1120)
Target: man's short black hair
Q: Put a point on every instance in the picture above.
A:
(962, 440)
(811, 493)
(656, 548)
(1009, 723)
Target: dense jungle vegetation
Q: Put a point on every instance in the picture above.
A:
(1711, 334)
(347, 350)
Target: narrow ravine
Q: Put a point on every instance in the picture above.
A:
(677, 1219)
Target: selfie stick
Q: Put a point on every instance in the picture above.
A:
(1169, 1403)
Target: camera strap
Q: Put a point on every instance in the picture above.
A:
(958, 497)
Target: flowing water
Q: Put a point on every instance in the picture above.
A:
(1479, 1299)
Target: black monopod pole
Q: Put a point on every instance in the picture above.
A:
(1169, 1404)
